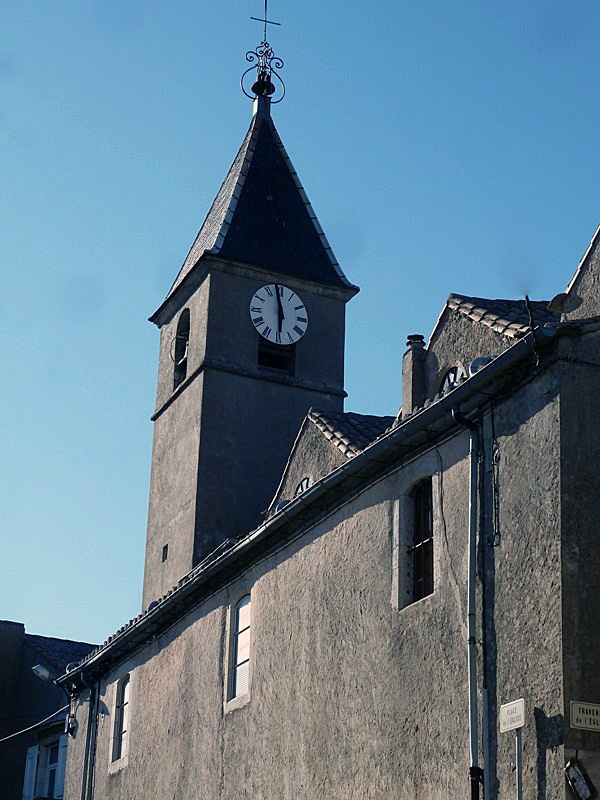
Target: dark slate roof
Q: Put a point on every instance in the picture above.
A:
(508, 317)
(57, 653)
(349, 431)
(262, 216)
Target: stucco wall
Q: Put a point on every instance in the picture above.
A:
(459, 340)
(522, 595)
(329, 714)
(313, 457)
(352, 695)
(173, 489)
(221, 441)
(580, 422)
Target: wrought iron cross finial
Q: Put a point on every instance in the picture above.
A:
(266, 63)
(265, 21)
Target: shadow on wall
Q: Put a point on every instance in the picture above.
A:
(550, 733)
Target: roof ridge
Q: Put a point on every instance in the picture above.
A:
(56, 639)
(222, 210)
(57, 652)
(295, 177)
(506, 316)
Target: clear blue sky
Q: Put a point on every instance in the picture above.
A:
(444, 146)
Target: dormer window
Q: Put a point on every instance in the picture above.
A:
(179, 348)
(304, 484)
(452, 378)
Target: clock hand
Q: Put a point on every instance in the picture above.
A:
(280, 314)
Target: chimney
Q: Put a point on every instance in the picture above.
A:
(413, 374)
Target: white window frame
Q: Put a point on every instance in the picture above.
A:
(37, 772)
(402, 530)
(121, 727)
(233, 697)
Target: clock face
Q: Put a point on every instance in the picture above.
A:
(278, 314)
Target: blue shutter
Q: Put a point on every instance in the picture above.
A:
(30, 772)
(59, 785)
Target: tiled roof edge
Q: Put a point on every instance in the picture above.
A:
(326, 246)
(579, 269)
(247, 148)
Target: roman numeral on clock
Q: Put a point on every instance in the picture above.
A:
(278, 314)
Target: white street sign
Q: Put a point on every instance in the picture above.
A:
(585, 715)
(512, 715)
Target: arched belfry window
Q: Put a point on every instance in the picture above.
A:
(179, 348)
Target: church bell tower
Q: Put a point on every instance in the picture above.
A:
(251, 337)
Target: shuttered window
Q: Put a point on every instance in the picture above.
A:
(45, 770)
(31, 766)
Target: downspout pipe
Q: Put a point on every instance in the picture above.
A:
(475, 771)
(89, 758)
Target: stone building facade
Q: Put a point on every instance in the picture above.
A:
(410, 575)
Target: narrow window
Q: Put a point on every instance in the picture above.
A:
(179, 348)
(276, 357)
(240, 665)
(51, 770)
(165, 552)
(420, 550)
(121, 730)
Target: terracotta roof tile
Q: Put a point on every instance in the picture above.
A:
(349, 431)
(508, 317)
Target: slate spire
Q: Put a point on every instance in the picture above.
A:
(261, 215)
